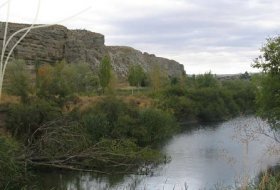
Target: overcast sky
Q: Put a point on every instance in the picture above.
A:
(223, 36)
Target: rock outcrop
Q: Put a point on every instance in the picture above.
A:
(57, 43)
(122, 57)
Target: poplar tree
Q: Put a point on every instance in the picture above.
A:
(105, 72)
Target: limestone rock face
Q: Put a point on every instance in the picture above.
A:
(57, 43)
(42, 45)
(122, 57)
(84, 46)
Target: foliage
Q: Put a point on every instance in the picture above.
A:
(109, 134)
(111, 88)
(211, 104)
(156, 125)
(269, 181)
(207, 80)
(24, 119)
(12, 173)
(52, 85)
(112, 118)
(245, 76)
(157, 78)
(105, 72)
(56, 83)
(268, 96)
(243, 93)
(60, 83)
(207, 99)
(136, 75)
(174, 99)
(269, 60)
(80, 78)
(19, 80)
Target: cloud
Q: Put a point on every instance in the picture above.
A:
(219, 35)
(222, 36)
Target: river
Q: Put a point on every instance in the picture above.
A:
(203, 156)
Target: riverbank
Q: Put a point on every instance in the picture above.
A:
(203, 157)
(58, 129)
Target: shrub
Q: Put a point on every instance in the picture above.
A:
(18, 80)
(24, 119)
(268, 98)
(157, 125)
(114, 119)
(12, 173)
(136, 75)
(80, 78)
(207, 99)
(111, 118)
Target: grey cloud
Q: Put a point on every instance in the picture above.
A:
(185, 31)
(231, 25)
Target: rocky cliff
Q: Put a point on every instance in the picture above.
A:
(56, 43)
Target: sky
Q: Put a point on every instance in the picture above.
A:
(221, 36)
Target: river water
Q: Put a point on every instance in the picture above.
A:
(205, 156)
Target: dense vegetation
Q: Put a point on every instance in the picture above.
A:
(268, 96)
(55, 132)
(205, 98)
(51, 126)
(268, 99)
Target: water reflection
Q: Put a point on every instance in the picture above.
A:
(205, 156)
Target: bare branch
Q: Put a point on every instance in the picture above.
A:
(5, 34)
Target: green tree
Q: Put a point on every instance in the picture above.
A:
(268, 96)
(158, 78)
(269, 61)
(52, 84)
(80, 78)
(18, 80)
(245, 76)
(105, 72)
(136, 76)
(207, 80)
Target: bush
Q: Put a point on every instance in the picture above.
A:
(268, 180)
(268, 98)
(80, 78)
(110, 118)
(243, 93)
(114, 119)
(205, 98)
(18, 80)
(24, 119)
(157, 126)
(211, 105)
(12, 173)
(174, 100)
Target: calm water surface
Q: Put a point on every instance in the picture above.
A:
(203, 157)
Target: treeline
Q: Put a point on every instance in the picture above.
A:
(205, 98)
